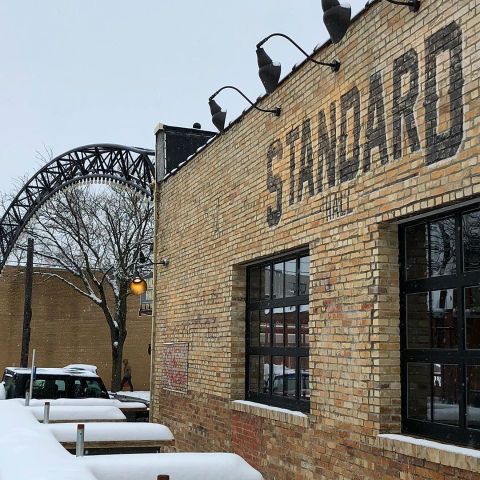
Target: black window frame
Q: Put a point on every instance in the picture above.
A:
(298, 351)
(461, 356)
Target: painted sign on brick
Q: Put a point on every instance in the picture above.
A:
(175, 367)
(358, 123)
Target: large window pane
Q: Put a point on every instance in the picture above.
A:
(304, 340)
(259, 278)
(471, 241)
(416, 246)
(278, 280)
(277, 381)
(419, 391)
(432, 319)
(472, 317)
(473, 397)
(304, 379)
(254, 371)
(290, 326)
(441, 327)
(254, 328)
(304, 277)
(256, 282)
(291, 278)
(442, 247)
(278, 327)
(265, 374)
(445, 394)
(430, 249)
(290, 377)
(265, 333)
(267, 279)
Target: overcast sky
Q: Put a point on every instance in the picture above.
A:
(75, 72)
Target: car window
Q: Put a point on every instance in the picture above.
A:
(61, 388)
(89, 388)
(47, 387)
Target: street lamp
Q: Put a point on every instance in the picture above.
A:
(337, 15)
(138, 286)
(269, 72)
(218, 116)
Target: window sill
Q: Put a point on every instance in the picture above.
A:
(435, 452)
(272, 413)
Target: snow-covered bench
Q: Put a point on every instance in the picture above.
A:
(178, 466)
(80, 414)
(29, 450)
(118, 437)
(131, 410)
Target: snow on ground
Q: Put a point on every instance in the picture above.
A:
(111, 432)
(78, 413)
(144, 395)
(180, 466)
(29, 450)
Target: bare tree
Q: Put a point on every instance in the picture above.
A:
(91, 237)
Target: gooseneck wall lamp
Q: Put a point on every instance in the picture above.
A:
(336, 18)
(219, 116)
(138, 285)
(337, 15)
(269, 72)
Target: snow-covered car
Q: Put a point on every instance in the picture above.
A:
(76, 381)
(72, 381)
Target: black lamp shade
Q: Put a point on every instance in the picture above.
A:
(218, 117)
(336, 18)
(268, 71)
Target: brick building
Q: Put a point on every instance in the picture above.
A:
(322, 289)
(68, 328)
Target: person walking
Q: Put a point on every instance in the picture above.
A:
(127, 375)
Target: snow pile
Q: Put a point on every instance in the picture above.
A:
(77, 414)
(81, 366)
(180, 466)
(29, 451)
(86, 402)
(468, 452)
(144, 395)
(271, 408)
(111, 432)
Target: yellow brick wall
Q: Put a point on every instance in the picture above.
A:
(68, 328)
(212, 219)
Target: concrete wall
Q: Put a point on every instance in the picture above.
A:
(351, 154)
(68, 328)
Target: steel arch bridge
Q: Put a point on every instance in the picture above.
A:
(130, 166)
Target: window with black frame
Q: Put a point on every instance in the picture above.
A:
(277, 332)
(440, 323)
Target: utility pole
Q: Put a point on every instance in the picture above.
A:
(27, 309)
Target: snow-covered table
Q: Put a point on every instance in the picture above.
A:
(29, 450)
(86, 402)
(178, 466)
(118, 437)
(132, 410)
(80, 414)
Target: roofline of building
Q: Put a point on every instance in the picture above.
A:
(319, 48)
